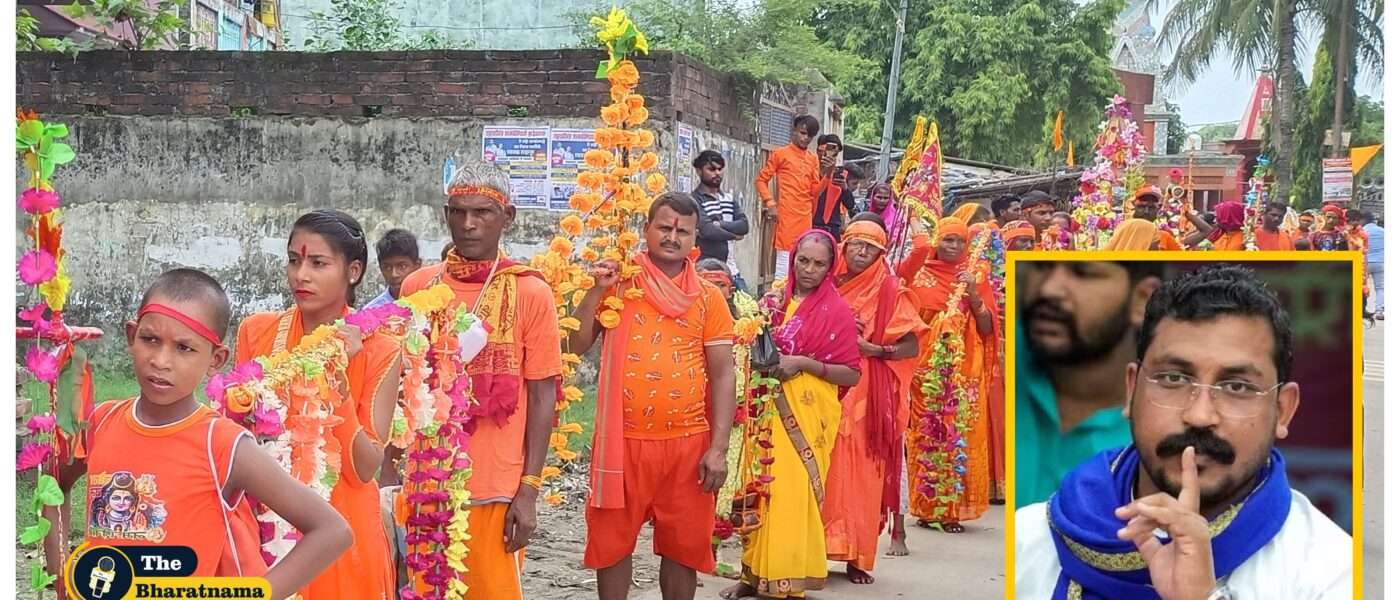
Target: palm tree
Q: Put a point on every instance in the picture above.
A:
(1256, 35)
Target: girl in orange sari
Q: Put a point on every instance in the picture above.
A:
(948, 436)
(875, 413)
(326, 258)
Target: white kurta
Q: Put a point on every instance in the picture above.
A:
(1309, 559)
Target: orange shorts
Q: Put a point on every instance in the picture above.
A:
(661, 484)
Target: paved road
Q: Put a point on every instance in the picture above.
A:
(1373, 458)
(970, 565)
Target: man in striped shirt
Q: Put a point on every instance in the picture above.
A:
(722, 221)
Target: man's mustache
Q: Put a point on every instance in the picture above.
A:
(1044, 309)
(1203, 440)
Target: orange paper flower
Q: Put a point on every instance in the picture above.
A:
(656, 183)
(582, 202)
(560, 245)
(612, 115)
(598, 159)
(627, 239)
(571, 225)
(634, 101)
(637, 117)
(609, 318)
(648, 161)
(625, 75)
(645, 138)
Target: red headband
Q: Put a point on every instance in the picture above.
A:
(479, 190)
(717, 278)
(195, 326)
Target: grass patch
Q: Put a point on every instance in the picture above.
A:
(583, 413)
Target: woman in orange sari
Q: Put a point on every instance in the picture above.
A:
(875, 413)
(1134, 234)
(326, 258)
(948, 436)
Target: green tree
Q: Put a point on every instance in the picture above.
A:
(27, 38)
(1176, 129)
(134, 24)
(1217, 132)
(370, 25)
(770, 40)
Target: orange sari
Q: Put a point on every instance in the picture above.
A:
(853, 511)
(366, 569)
(933, 285)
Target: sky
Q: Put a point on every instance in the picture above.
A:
(1220, 94)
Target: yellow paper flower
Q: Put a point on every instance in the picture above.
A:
(600, 242)
(554, 499)
(633, 293)
(582, 201)
(55, 290)
(569, 323)
(571, 428)
(630, 271)
(621, 173)
(565, 454)
(613, 302)
(609, 318)
(571, 225)
(645, 138)
(570, 358)
(598, 159)
(572, 394)
(656, 183)
(648, 161)
(585, 282)
(549, 473)
(558, 440)
(627, 239)
(561, 246)
(612, 254)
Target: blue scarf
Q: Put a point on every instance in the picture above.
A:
(1081, 513)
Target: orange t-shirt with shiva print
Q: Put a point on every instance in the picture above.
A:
(163, 485)
(664, 391)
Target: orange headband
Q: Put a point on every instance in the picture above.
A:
(1017, 229)
(718, 278)
(867, 232)
(200, 329)
(478, 190)
(952, 226)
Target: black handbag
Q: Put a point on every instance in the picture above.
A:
(764, 355)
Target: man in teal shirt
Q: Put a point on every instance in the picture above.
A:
(1076, 326)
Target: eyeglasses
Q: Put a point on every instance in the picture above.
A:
(1233, 398)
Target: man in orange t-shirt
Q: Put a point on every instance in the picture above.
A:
(1268, 236)
(516, 375)
(665, 405)
(799, 182)
(1147, 204)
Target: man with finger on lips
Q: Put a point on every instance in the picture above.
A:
(1198, 507)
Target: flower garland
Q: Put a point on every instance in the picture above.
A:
(45, 270)
(614, 190)
(289, 399)
(1256, 196)
(942, 451)
(1117, 171)
(746, 330)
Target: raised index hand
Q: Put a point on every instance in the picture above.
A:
(1182, 569)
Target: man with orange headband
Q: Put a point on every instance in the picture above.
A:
(799, 182)
(1270, 235)
(1331, 235)
(1147, 205)
(516, 375)
(1018, 235)
(875, 412)
(665, 405)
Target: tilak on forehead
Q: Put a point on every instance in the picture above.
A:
(479, 190)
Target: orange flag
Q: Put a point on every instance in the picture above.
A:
(1361, 156)
(1059, 131)
(1069, 160)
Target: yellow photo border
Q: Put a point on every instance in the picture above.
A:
(1008, 368)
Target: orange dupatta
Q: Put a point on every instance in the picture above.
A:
(669, 297)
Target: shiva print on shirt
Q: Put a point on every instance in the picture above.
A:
(125, 507)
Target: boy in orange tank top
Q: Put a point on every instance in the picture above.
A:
(164, 469)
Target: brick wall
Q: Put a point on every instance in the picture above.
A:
(535, 83)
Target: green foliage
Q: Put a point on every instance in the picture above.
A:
(993, 73)
(1176, 129)
(138, 25)
(772, 40)
(371, 25)
(27, 37)
(1218, 132)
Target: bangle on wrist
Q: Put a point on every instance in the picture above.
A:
(533, 481)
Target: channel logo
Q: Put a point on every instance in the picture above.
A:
(119, 572)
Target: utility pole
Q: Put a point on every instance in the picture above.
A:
(1343, 68)
(887, 138)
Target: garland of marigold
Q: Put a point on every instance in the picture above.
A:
(942, 451)
(44, 270)
(742, 470)
(614, 191)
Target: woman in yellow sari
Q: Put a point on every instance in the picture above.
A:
(815, 332)
(948, 441)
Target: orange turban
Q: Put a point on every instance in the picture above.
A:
(867, 232)
(951, 226)
(1133, 234)
(1016, 229)
(965, 212)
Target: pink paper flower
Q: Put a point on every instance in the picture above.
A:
(36, 201)
(266, 422)
(42, 423)
(37, 267)
(43, 365)
(33, 455)
(35, 316)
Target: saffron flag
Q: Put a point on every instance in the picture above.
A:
(1069, 160)
(1361, 156)
(1059, 131)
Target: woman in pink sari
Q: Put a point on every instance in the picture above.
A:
(815, 331)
